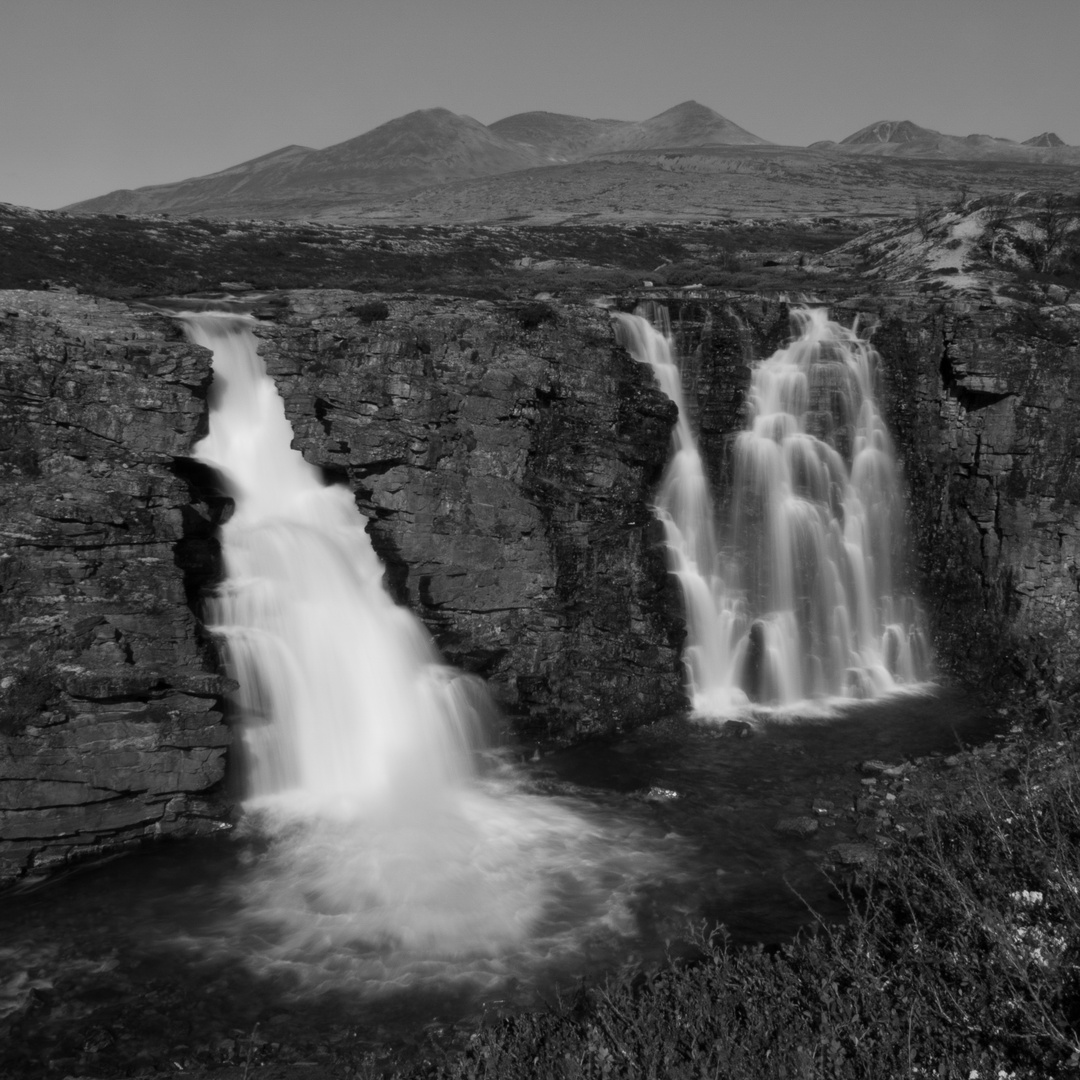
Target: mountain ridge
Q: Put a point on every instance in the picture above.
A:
(431, 148)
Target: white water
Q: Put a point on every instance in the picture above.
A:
(799, 601)
(387, 860)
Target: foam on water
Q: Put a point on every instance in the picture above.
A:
(384, 859)
(796, 603)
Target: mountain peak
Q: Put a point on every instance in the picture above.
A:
(1047, 138)
(889, 131)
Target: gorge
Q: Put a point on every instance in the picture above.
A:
(507, 468)
(507, 457)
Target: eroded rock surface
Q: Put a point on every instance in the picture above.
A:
(983, 403)
(505, 456)
(110, 727)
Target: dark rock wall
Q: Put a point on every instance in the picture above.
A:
(984, 405)
(505, 457)
(110, 728)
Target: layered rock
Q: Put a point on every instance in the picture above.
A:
(982, 401)
(110, 726)
(505, 456)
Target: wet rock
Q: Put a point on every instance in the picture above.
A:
(801, 826)
(110, 712)
(736, 729)
(859, 856)
(507, 466)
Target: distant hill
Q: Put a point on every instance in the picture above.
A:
(555, 137)
(434, 164)
(1047, 138)
(688, 124)
(419, 150)
(902, 138)
(430, 146)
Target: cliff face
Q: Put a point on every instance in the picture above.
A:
(982, 402)
(110, 729)
(985, 403)
(505, 457)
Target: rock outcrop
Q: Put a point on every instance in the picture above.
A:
(110, 725)
(982, 401)
(505, 456)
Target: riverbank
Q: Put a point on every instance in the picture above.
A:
(959, 958)
(962, 887)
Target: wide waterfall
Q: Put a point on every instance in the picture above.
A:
(385, 857)
(795, 596)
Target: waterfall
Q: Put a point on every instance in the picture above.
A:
(795, 598)
(384, 857)
(342, 695)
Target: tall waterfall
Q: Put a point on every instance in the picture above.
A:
(342, 694)
(794, 598)
(385, 860)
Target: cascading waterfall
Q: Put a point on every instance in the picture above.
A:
(342, 695)
(385, 860)
(798, 600)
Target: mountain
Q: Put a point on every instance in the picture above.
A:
(1047, 138)
(889, 131)
(429, 146)
(435, 161)
(902, 138)
(424, 148)
(556, 137)
(688, 124)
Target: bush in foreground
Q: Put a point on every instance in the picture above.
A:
(959, 960)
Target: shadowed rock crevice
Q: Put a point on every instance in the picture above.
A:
(106, 693)
(505, 459)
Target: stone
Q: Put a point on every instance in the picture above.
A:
(110, 703)
(801, 826)
(506, 464)
(858, 856)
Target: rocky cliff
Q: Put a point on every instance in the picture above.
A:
(982, 400)
(110, 725)
(504, 454)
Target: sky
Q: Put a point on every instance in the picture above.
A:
(103, 94)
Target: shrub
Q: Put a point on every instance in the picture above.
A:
(534, 314)
(370, 312)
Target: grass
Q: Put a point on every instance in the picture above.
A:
(126, 258)
(959, 959)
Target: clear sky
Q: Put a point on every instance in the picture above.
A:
(102, 94)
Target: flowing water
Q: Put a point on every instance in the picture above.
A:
(389, 870)
(389, 859)
(799, 599)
